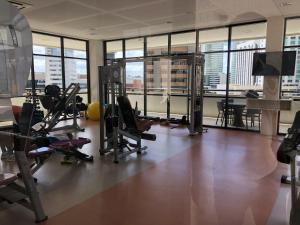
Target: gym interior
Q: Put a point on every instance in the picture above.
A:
(149, 112)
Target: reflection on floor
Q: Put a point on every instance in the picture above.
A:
(222, 177)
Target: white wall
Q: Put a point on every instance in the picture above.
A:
(96, 60)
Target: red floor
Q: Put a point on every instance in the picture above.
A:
(226, 178)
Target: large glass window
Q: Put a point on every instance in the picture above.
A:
(135, 84)
(251, 36)
(213, 40)
(75, 54)
(134, 47)
(158, 72)
(76, 72)
(47, 62)
(74, 48)
(47, 70)
(157, 45)
(183, 43)
(46, 45)
(114, 50)
(246, 40)
(290, 85)
(227, 71)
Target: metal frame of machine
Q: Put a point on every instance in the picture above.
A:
(53, 118)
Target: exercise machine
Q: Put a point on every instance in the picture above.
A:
(118, 122)
(26, 194)
(60, 106)
(193, 81)
(41, 147)
(287, 154)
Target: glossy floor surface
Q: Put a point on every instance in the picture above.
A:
(222, 177)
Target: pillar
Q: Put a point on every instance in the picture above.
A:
(96, 60)
(271, 87)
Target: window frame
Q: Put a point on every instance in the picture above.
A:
(228, 52)
(62, 58)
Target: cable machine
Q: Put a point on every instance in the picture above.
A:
(194, 86)
(118, 119)
(118, 123)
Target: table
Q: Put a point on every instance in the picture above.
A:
(237, 110)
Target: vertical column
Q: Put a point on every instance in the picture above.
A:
(271, 88)
(96, 60)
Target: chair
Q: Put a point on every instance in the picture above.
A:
(252, 114)
(221, 111)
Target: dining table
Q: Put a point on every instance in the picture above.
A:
(237, 111)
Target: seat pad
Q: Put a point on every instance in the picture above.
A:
(74, 143)
(144, 125)
(40, 152)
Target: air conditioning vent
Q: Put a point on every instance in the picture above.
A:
(20, 5)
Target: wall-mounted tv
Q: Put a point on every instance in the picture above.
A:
(274, 63)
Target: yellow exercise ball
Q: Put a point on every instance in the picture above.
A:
(93, 111)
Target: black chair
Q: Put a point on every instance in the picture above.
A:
(252, 114)
(221, 111)
(133, 125)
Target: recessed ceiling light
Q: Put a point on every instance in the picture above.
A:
(285, 4)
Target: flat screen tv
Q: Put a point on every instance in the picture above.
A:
(274, 63)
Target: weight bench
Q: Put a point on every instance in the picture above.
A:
(69, 148)
(134, 129)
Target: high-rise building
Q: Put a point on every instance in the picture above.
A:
(53, 68)
(242, 63)
(75, 70)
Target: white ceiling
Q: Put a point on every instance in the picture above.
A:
(108, 19)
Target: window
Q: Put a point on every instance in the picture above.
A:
(183, 43)
(157, 45)
(114, 50)
(135, 84)
(251, 36)
(74, 48)
(134, 47)
(46, 45)
(227, 71)
(290, 87)
(76, 72)
(292, 31)
(213, 40)
(47, 63)
(75, 52)
(47, 70)
(246, 40)
(215, 74)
